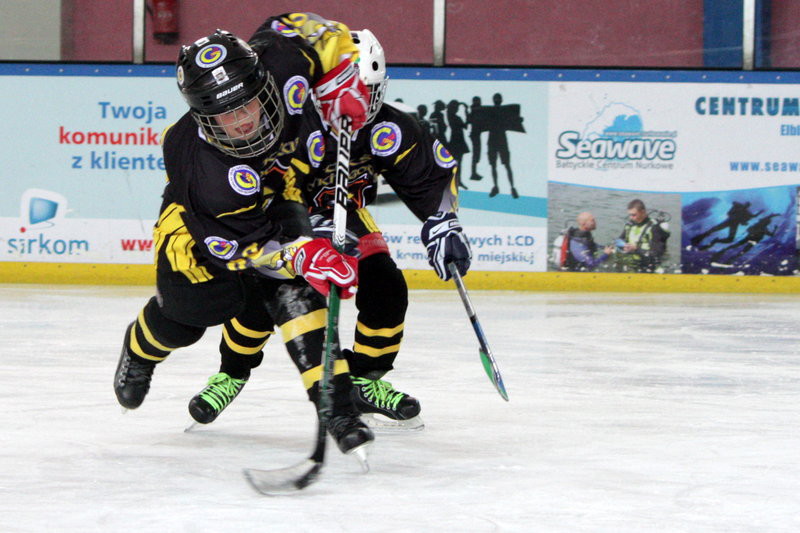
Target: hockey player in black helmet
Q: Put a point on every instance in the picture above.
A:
(424, 180)
(233, 244)
(231, 96)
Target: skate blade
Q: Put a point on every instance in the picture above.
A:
(360, 455)
(383, 424)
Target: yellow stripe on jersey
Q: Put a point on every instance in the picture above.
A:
(454, 192)
(380, 332)
(401, 156)
(367, 220)
(303, 324)
(311, 66)
(290, 189)
(330, 39)
(164, 133)
(313, 375)
(302, 167)
(172, 238)
(242, 210)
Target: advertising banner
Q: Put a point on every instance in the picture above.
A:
(82, 171)
(613, 171)
(714, 164)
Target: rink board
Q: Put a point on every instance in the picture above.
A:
(104, 274)
(691, 144)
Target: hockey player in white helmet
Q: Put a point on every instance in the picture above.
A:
(371, 69)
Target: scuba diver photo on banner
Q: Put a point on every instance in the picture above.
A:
(750, 232)
(593, 229)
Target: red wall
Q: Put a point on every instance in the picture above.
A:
(93, 30)
(785, 35)
(651, 33)
(98, 30)
(612, 33)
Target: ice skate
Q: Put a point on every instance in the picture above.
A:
(384, 408)
(207, 405)
(352, 436)
(133, 375)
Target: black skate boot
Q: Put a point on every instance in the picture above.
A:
(206, 406)
(132, 379)
(349, 432)
(383, 407)
(378, 396)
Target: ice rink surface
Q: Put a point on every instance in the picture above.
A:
(628, 413)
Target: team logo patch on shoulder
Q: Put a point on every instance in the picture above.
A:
(220, 247)
(442, 156)
(295, 92)
(316, 148)
(211, 56)
(283, 29)
(384, 139)
(244, 180)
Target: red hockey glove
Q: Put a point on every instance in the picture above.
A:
(342, 93)
(321, 265)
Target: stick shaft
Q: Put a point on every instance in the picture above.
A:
(487, 358)
(332, 329)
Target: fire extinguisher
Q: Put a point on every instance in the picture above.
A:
(165, 21)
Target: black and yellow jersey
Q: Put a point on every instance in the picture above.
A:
(218, 210)
(394, 145)
(330, 40)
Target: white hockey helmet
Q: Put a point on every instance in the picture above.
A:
(371, 68)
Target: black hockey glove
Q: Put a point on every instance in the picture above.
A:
(323, 228)
(444, 238)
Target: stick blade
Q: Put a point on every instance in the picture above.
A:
(494, 374)
(284, 480)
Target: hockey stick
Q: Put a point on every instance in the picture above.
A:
(489, 363)
(303, 474)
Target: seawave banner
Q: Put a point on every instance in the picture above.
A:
(714, 167)
(688, 137)
(577, 170)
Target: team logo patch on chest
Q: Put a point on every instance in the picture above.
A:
(219, 247)
(385, 138)
(283, 29)
(244, 180)
(211, 56)
(295, 92)
(316, 148)
(442, 156)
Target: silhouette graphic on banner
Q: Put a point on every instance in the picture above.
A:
(489, 124)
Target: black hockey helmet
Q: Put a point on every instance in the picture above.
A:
(221, 75)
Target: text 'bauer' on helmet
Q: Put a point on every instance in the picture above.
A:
(371, 68)
(231, 96)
